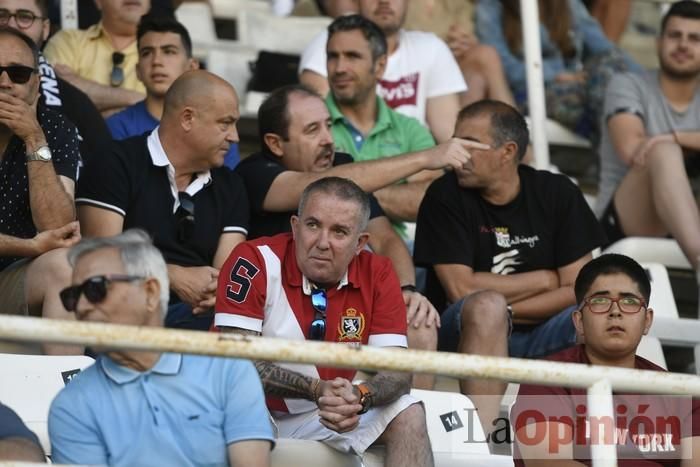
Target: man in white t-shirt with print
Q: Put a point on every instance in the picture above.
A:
(422, 78)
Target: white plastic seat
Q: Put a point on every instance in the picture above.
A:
(30, 382)
(264, 31)
(199, 22)
(651, 250)
(559, 135)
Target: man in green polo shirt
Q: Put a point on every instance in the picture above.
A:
(361, 122)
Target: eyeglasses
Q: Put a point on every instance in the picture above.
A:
(94, 288)
(185, 217)
(23, 18)
(317, 331)
(116, 77)
(629, 304)
(18, 74)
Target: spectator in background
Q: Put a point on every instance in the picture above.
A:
(362, 124)
(651, 141)
(101, 61)
(30, 18)
(504, 243)
(578, 60)
(421, 80)
(17, 442)
(453, 22)
(165, 53)
(319, 283)
(37, 180)
(89, 14)
(171, 183)
(150, 408)
(613, 16)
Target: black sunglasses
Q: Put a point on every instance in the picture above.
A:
(185, 217)
(19, 74)
(116, 77)
(317, 331)
(95, 289)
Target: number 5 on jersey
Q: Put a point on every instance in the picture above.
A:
(241, 274)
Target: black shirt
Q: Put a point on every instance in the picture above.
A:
(126, 181)
(15, 211)
(258, 171)
(547, 226)
(65, 98)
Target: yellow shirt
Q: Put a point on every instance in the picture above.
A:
(89, 53)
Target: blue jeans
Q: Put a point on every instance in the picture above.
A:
(525, 341)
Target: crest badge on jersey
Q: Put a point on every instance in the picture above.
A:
(502, 237)
(352, 325)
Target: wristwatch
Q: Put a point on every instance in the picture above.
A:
(43, 154)
(365, 397)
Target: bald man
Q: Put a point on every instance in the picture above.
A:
(171, 183)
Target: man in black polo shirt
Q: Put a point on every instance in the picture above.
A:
(171, 183)
(297, 149)
(31, 18)
(37, 176)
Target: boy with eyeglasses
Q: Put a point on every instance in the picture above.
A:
(612, 292)
(319, 283)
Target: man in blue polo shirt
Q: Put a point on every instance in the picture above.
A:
(150, 408)
(363, 125)
(165, 53)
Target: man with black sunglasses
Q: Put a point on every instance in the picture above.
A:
(30, 17)
(319, 283)
(37, 177)
(612, 292)
(171, 183)
(150, 408)
(101, 60)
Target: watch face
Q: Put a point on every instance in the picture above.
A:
(44, 153)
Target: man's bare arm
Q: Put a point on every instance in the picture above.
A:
(441, 115)
(287, 187)
(459, 280)
(401, 201)
(387, 386)
(688, 139)
(315, 81)
(104, 97)
(278, 381)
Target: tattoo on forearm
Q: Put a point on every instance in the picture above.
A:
(387, 386)
(281, 382)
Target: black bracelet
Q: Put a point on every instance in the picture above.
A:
(409, 288)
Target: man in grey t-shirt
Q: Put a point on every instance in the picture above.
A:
(651, 132)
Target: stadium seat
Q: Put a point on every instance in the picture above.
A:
(650, 249)
(264, 31)
(30, 382)
(197, 18)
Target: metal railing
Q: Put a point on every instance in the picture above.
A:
(599, 381)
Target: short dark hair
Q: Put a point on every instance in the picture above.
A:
(370, 31)
(341, 188)
(689, 9)
(8, 31)
(43, 7)
(611, 263)
(151, 23)
(273, 113)
(507, 124)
